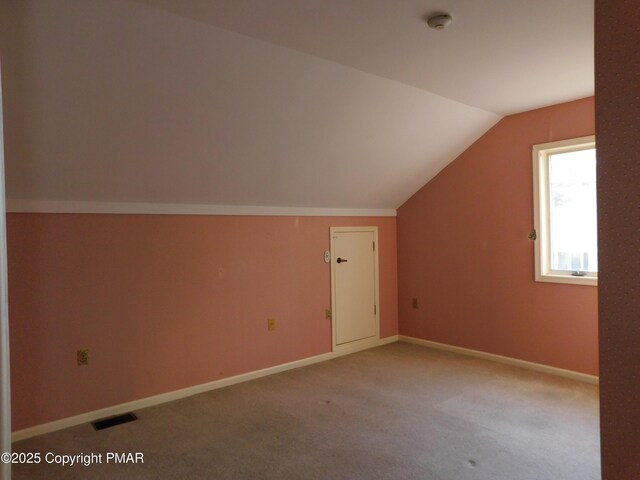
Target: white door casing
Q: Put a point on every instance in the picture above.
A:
(354, 286)
(5, 395)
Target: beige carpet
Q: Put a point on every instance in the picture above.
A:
(394, 412)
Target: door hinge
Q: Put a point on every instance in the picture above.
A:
(375, 309)
(374, 246)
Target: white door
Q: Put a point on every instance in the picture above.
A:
(354, 285)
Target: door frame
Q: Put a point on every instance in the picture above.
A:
(365, 342)
(5, 384)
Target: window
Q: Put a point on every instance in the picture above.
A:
(566, 249)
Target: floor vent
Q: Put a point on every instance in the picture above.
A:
(113, 421)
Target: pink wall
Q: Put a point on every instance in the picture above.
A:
(463, 252)
(166, 302)
(617, 63)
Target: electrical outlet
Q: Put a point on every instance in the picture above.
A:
(414, 303)
(271, 324)
(82, 357)
(327, 314)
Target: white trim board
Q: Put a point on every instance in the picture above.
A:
(5, 384)
(560, 372)
(55, 206)
(187, 392)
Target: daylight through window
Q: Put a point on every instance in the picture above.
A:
(565, 216)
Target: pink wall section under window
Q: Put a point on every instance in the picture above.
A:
(166, 302)
(463, 252)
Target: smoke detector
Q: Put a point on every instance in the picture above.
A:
(439, 21)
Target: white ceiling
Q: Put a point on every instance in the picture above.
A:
(333, 103)
(504, 56)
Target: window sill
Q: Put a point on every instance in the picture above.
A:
(568, 279)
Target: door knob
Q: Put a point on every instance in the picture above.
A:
(340, 260)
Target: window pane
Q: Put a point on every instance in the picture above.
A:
(572, 210)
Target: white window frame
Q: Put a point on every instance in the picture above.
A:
(541, 214)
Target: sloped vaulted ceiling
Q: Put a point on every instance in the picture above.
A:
(162, 102)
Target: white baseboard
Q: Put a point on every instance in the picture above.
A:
(583, 377)
(186, 392)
